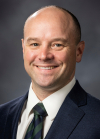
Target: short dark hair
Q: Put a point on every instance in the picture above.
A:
(77, 24)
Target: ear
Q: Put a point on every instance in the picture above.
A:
(79, 51)
(23, 45)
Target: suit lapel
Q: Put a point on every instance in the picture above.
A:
(13, 118)
(69, 115)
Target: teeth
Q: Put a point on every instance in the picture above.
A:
(47, 68)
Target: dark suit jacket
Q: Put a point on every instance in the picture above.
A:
(78, 117)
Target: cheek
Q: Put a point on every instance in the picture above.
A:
(63, 56)
(67, 58)
(29, 55)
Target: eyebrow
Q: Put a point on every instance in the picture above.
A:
(32, 39)
(52, 40)
(60, 39)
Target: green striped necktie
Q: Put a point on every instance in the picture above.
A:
(35, 128)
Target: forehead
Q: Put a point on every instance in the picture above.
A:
(49, 19)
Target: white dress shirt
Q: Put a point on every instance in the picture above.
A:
(52, 104)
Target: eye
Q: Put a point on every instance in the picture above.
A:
(34, 44)
(57, 46)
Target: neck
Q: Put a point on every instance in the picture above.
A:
(41, 93)
(44, 92)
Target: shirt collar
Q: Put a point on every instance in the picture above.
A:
(53, 102)
(32, 100)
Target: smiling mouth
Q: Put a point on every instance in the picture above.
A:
(47, 68)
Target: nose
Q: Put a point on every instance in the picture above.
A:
(45, 54)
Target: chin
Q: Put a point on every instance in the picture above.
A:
(45, 84)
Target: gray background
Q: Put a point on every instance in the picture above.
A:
(14, 81)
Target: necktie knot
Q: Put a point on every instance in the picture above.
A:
(39, 109)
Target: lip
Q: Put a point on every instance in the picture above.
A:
(46, 67)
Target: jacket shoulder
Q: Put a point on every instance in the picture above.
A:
(6, 106)
(93, 102)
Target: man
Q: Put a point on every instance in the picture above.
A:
(51, 47)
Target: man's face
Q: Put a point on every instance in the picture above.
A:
(49, 50)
